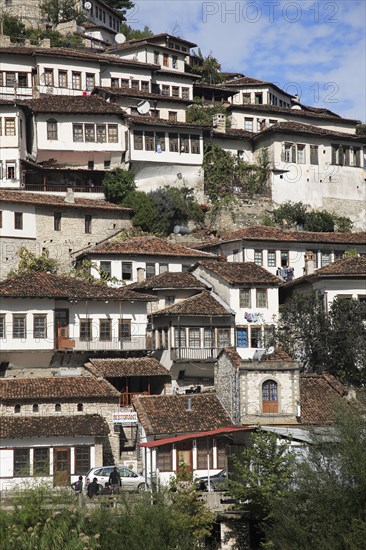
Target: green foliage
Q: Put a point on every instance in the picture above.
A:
(29, 263)
(135, 34)
(83, 270)
(13, 27)
(261, 476)
(117, 185)
(326, 508)
(60, 11)
(333, 341)
(297, 213)
(361, 130)
(201, 113)
(209, 70)
(122, 5)
(228, 175)
(159, 211)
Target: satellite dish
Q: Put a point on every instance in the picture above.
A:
(87, 5)
(143, 107)
(270, 350)
(119, 38)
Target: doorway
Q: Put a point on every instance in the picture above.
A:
(61, 467)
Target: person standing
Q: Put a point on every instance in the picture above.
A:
(115, 480)
(78, 486)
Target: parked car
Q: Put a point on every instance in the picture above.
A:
(218, 482)
(129, 479)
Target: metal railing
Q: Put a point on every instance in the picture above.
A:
(197, 354)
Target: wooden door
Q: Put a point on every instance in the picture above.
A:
(184, 457)
(61, 467)
(61, 327)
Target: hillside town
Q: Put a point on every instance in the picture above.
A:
(168, 354)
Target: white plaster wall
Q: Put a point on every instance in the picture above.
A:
(235, 145)
(69, 65)
(29, 221)
(354, 288)
(139, 262)
(267, 315)
(123, 71)
(220, 287)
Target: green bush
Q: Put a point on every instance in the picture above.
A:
(117, 184)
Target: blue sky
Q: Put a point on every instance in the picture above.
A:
(314, 48)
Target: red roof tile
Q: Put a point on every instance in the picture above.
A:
(318, 397)
(48, 285)
(137, 366)
(351, 266)
(306, 129)
(170, 415)
(56, 388)
(201, 304)
(53, 426)
(171, 280)
(240, 273)
(73, 104)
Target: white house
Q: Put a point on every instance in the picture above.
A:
(13, 143)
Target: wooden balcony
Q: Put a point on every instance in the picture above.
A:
(194, 354)
(95, 344)
(126, 398)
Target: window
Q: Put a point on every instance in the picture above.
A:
(22, 80)
(285, 260)
(175, 62)
(184, 144)
(175, 91)
(173, 143)
(164, 462)
(272, 121)
(2, 327)
(261, 297)
(48, 77)
(355, 159)
(1, 213)
(244, 298)
(195, 145)
(325, 258)
(201, 446)
(126, 271)
(76, 80)
(172, 116)
(101, 133)
(338, 155)
(301, 154)
(288, 153)
(35, 408)
(105, 330)
(223, 337)
(135, 85)
(144, 86)
(165, 60)
(112, 133)
(160, 141)
(62, 79)
(271, 258)
(221, 455)
(137, 140)
(156, 57)
(149, 141)
(163, 268)
(255, 337)
(41, 462)
(39, 326)
(17, 409)
(208, 340)
(87, 223)
(51, 129)
(114, 82)
(18, 220)
(194, 338)
(269, 397)
(77, 130)
(165, 89)
(85, 330)
(106, 266)
(10, 79)
(150, 270)
(185, 93)
(89, 132)
(82, 460)
(314, 154)
(242, 337)
(58, 407)
(10, 126)
(10, 170)
(246, 99)
(258, 257)
(125, 83)
(124, 330)
(80, 407)
(248, 124)
(89, 81)
(258, 98)
(180, 338)
(21, 463)
(90, 164)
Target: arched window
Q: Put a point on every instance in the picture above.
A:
(80, 407)
(58, 407)
(35, 408)
(17, 409)
(270, 397)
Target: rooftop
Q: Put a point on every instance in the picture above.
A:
(305, 129)
(171, 280)
(169, 414)
(202, 304)
(350, 267)
(52, 426)
(319, 394)
(62, 104)
(240, 273)
(117, 368)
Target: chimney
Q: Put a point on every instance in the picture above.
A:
(69, 197)
(309, 263)
(219, 122)
(140, 274)
(189, 403)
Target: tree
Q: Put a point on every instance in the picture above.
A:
(29, 263)
(202, 113)
(261, 476)
(135, 34)
(326, 508)
(209, 69)
(117, 184)
(60, 11)
(297, 213)
(146, 214)
(13, 27)
(333, 341)
(122, 5)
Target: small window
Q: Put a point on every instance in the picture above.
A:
(17, 409)
(90, 81)
(314, 154)
(10, 127)
(124, 330)
(169, 300)
(144, 86)
(269, 397)
(101, 133)
(105, 330)
(82, 460)
(80, 407)
(88, 223)
(2, 327)
(22, 80)
(223, 337)
(208, 338)
(194, 338)
(173, 143)
(58, 407)
(39, 326)
(325, 258)
(160, 141)
(175, 62)
(19, 326)
(35, 408)
(85, 330)
(163, 268)
(41, 462)
(112, 133)
(114, 82)
(242, 337)
(172, 116)
(78, 135)
(76, 80)
(51, 129)
(156, 57)
(175, 91)
(258, 98)
(184, 144)
(106, 266)
(165, 89)
(10, 170)
(180, 338)
(149, 141)
(138, 140)
(90, 164)
(248, 124)
(285, 260)
(165, 60)
(21, 466)
(57, 221)
(271, 258)
(89, 133)
(150, 270)
(255, 337)
(258, 257)
(246, 98)
(48, 77)
(244, 297)
(301, 154)
(185, 93)
(164, 459)
(18, 220)
(62, 79)
(195, 145)
(261, 297)
(126, 271)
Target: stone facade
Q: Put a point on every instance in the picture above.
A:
(28, 12)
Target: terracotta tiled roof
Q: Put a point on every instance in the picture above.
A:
(200, 304)
(52, 426)
(318, 396)
(306, 129)
(170, 280)
(73, 104)
(353, 265)
(170, 415)
(56, 388)
(264, 233)
(275, 109)
(240, 273)
(153, 39)
(53, 201)
(147, 246)
(143, 366)
(47, 285)
(277, 355)
(233, 356)
(231, 133)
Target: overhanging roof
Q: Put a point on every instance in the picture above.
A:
(196, 435)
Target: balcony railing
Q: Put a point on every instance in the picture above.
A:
(63, 188)
(95, 344)
(197, 354)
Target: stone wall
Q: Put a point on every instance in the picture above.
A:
(242, 214)
(227, 386)
(28, 12)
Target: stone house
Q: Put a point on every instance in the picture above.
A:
(55, 428)
(61, 224)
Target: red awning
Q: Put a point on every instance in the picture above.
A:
(197, 435)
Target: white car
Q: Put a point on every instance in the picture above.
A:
(130, 480)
